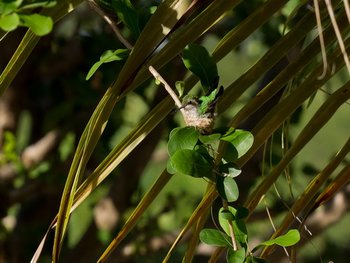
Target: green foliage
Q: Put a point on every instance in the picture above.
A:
(214, 237)
(250, 46)
(241, 140)
(128, 15)
(182, 138)
(106, 57)
(289, 239)
(235, 256)
(191, 162)
(14, 14)
(40, 25)
(227, 188)
(197, 59)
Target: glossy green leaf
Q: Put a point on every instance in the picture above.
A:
(182, 138)
(106, 57)
(230, 169)
(289, 239)
(215, 238)
(39, 24)
(235, 256)
(227, 188)
(191, 162)
(9, 22)
(239, 227)
(128, 15)
(197, 59)
(241, 140)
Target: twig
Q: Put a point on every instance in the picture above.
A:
(111, 23)
(157, 76)
(320, 36)
(338, 34)
(230, 226)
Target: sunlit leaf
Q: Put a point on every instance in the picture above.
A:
(230, 169)
(227, 188)
(9, 22)
(106, 57)
(289, 239)
(241, 140)
(39, 24)
(238, 224)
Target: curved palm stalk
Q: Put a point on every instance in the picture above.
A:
(182, 37)
(271, 122)
(273, 55)
(295, 67)
(321, 117)
(340, 181)
(29, 41)
(95, 127)
(134, 217)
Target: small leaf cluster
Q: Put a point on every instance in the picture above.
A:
(231, 218)
(15, 13)
(192, 153)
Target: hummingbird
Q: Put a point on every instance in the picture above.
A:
(200, 112)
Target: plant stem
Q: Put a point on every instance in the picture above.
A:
(157, 76)
(230, 225)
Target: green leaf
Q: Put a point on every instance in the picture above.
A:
(230, 169)
(197, 59)
(180, 87)
(169, 167)
(210, 138)
(289, 239)
(215, 238)
(7, 7)
(191, 162)
(235, 256)
(106, 57)
(226, 214)
(240, 139)
(128, 15)
(9, 22)
(239, 227)
(227, 188)
(182, 138)
(40, 25)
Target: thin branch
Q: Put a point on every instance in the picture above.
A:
(111, 23)
(320, 36)
(337, 33)
(157, 76)
(347, 9)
